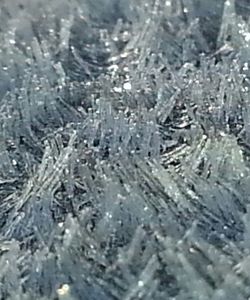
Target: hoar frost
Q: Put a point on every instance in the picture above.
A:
(124, 149)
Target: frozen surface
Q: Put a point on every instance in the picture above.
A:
(124, 149)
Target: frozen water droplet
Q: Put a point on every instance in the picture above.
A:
(124, 55)
(63, 290)
(140, 283)
(247, 36)
(245, 67)
(127, 86)
(113, 68)
(117, 89)
(109, 215)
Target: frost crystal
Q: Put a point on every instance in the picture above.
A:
(124, 149)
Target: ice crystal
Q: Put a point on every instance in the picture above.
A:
(124, 149)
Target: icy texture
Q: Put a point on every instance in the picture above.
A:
(124, 149)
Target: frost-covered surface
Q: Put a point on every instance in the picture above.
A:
(124, 149)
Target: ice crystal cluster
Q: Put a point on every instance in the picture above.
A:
(124, 149)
